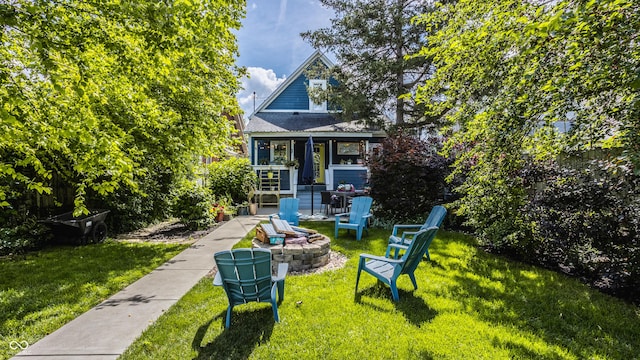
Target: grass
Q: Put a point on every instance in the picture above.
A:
(469, 305)
(45, 290)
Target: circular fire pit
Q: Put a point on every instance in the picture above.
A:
(299, 257)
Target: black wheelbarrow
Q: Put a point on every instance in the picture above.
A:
(84, 229)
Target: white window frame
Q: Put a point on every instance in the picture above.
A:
(273, 143)
(314, 84)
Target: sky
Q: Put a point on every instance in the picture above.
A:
(270, 45)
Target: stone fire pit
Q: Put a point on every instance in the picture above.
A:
(299, 257)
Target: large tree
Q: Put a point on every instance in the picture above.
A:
(509, 72)
(101, 94)
(371, 40)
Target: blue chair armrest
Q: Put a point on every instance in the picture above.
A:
(381, 258)
(338, 216)
(282, 272)
(217, 280)
(397, 248)
(407, 234)
(394, 239)
(404, 226)
(363, 220)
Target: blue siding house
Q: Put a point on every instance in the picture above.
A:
(279, 128)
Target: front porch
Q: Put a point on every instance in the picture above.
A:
(304, 194)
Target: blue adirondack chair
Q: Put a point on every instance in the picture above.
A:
(388, 270)
(436, 216)
(288, 211)
(245, 275)
(358, 216)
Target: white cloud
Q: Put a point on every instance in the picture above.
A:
(261, 81)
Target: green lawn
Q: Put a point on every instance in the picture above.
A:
(51, 287)
(469, 305)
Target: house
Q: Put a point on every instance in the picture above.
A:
(279, 128)
(239, 148)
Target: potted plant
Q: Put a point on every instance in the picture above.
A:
(218, 211)
(292, 163)
(229, 211)
(243, 208)
(253, 207)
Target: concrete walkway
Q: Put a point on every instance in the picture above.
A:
(107, 330)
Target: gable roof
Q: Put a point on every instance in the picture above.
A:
(316, 56)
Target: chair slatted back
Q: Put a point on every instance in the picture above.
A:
(360, 206)
(289, 209)
(412, 257)
(325, 197)
(436, 216)
(246, 274)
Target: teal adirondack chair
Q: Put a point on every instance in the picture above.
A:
(288, 211)
(358, 216)
(436, 216)
(388, 270)
(245, 275)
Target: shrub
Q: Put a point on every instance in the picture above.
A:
(132, 210)
(22, 234)
(20, 230)
(233, 178)
(587, 221)
(194, 207)
(407, 178)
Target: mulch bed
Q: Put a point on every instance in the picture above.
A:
(171, 231)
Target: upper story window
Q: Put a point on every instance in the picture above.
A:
(320, 85)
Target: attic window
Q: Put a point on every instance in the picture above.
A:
(321, 85)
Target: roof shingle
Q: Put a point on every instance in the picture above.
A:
(301, 122)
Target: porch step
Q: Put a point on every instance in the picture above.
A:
(316, 187)
(305, 199)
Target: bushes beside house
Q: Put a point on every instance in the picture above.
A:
(229, 182)
(194, 207)
(151, 202)
(407, 177)
(19, 234)
(586, 221)
(20, 230)
(233, 178)
(581, 220)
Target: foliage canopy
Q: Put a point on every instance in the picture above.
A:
(372, 40)
(407, 177)
(509, 74)
(522, 84)
(95, 94)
